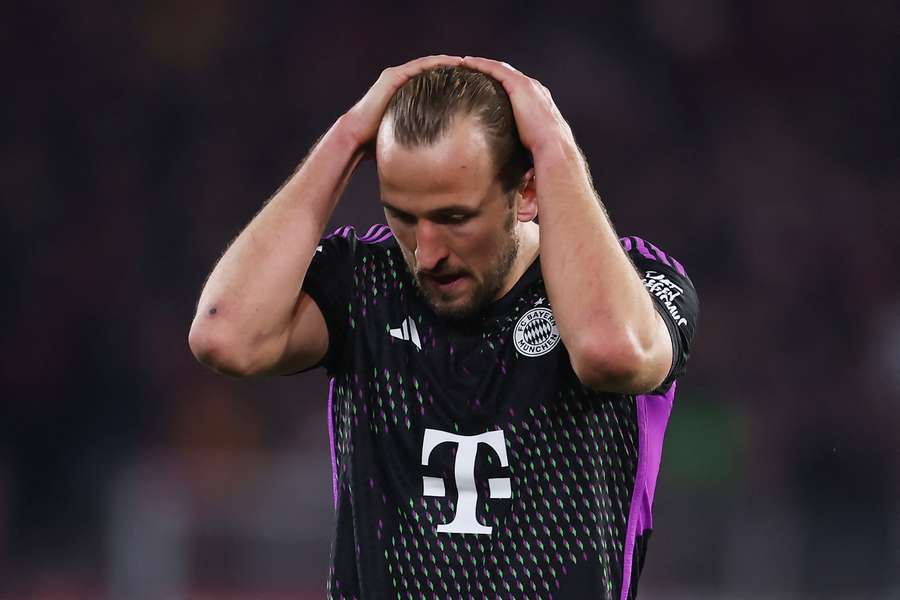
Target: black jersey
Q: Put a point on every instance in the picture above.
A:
(468, 460)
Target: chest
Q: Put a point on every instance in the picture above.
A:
(407, 359)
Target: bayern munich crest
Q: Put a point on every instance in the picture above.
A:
(536, 332)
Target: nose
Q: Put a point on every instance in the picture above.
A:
(430, 247)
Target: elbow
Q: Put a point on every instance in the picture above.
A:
(620, 365)
(216, 348)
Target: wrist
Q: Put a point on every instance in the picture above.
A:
(559, 147)
(346, 133)
(557, 154)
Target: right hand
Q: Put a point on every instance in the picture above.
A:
(364, 118)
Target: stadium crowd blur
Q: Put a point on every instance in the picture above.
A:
(756, 142)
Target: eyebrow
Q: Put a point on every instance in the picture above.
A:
(442, 211)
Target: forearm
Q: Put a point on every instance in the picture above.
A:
(252, 293)
(604, 314)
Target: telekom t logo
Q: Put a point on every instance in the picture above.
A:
(465, 520)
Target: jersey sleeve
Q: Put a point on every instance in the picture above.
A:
(674, 297)
(329, 282)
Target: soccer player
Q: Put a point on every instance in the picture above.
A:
(502, 364)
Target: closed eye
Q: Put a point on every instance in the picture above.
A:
(439, 217)
(403, 217)
(456, 219)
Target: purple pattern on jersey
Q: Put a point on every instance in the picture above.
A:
(334, 475)
(572, 461)
(653, 412)
(648, 250)
(582, 465)
(375, 235)
(641, 247)
(382, 236)
(340, 232)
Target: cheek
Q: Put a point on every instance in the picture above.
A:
(405, 240)
(408, 254)
(480, 248)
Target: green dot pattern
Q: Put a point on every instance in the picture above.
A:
(572, 462)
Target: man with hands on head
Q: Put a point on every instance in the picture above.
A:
(499, 389)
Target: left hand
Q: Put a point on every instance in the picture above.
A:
(537, 118)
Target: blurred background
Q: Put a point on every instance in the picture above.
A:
(755, 141)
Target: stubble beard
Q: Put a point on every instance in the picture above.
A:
(484, 292)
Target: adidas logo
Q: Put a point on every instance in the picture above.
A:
(407, 332)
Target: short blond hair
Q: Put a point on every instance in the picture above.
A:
(424, 108)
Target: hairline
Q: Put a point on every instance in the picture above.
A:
(459, 115)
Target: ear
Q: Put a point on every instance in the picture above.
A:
(526, 197)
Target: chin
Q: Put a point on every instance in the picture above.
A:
(450, 310)
(455, 311)
(467, 307)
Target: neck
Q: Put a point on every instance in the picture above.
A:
(529, 248)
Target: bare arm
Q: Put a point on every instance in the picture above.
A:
(601, 305)
(615, 338)
(252, 317)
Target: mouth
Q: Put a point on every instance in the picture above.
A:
(446, 283)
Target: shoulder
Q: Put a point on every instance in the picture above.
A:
(347, 242)
(376, 234)
(647, 254)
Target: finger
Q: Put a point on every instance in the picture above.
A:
(399, 75)
(427, 62)
(498, 70)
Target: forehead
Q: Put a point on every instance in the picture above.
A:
(455, 167)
